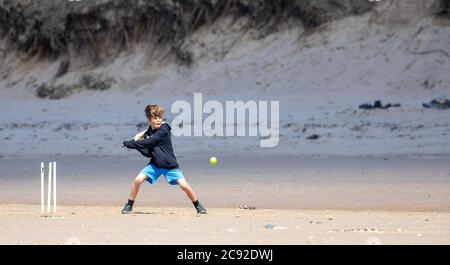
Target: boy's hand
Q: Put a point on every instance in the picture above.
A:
(138, 137)
(124, 143)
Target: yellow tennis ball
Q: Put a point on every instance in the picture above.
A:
(213, 160)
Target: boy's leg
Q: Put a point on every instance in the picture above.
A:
(149, 173)
(184, 185)
(134, 191)
(187, 189)
(136, 185)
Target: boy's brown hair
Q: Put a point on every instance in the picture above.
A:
(154, 111)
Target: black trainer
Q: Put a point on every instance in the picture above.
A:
(127, 209)
(200, 209)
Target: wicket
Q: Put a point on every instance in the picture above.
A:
(51, 187)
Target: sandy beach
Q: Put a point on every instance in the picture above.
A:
(21, 224)
(333, 200)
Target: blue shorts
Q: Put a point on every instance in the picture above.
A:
(153, 173)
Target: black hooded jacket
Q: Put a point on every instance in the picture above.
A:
(157, 145)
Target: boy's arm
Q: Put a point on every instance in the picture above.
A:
(144, 152)
(152, 141)
(139, 136)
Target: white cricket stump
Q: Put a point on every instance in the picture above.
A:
(51, 189)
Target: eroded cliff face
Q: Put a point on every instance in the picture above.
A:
(100, 29)
(42, 41)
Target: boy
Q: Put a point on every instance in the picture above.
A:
(156, 144)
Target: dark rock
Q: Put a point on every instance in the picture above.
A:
(96, 83)
(313, 137)
(63, 67)
(142, 125)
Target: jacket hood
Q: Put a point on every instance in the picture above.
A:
(166, 125)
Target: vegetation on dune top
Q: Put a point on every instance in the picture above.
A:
(51, 28)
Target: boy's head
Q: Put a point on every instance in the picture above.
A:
(154, 115)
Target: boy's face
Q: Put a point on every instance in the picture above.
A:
(155, 122)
